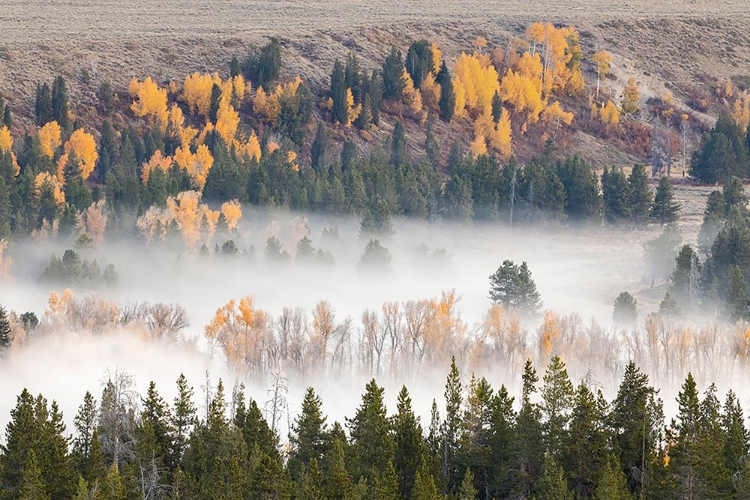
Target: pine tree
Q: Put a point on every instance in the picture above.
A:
(551, 485)
(319, 147)
(467, 490)
(512, 286)
(85, 425)
(370, 431)
(528, 442)
(685, 456)
(399, 147)
(6, 336)
(736, 445)
(616, 195)
(375, 257)
(213, 108)
(586, 447)
(340, 108)
(393, 75)
(424, 485)
(668, 307)
(447, 103)
(736, 298)
(43, 104)
(684, 280)
(557, 405)
(308, 437)
(640, 193)
(336, 482)
(32, 487)
(625, 311)
(451, 427)
(713, 217)
(409, 447)
(612, 482)
(665, 209)
(5, 211)
(60, 102)
(183, 419)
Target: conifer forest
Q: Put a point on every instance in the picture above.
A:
(341, 251)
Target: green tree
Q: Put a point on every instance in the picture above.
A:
(512, 286)
(6, 336)
(320, 147)
(59, 102)
(263, 66)
(722, 153)
(616, 196)
(309, 436)
(736, 298)
(419, 61)
(32, 487)
(668, 307)
(612, 484)
(399, 147)
(375, 257)
(713, 217)
(43, 104)
(371, 438)
(528, 442)
(452, 425)
(587, 443)
(340, 108)
(557, 405)
(583, 200)
(409, 445)
(665, 209)
(393, 75)
(447, 102)
(625, 311)
(377, 220)
(467, 490)
(424, 485)
(684, 282)
(213, 108)
(336, 482)
(641, 194)
(551, 485)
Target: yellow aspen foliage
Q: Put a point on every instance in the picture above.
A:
(609, 114)
(291, 159)
(460, 93)
(232, 213)
(83, 145)
(197, 164)
(524, 95)
(157, 160)
(201, 138)
(478, 146)
(603, 61)
(741, 110)
(49, 138)
(5, 260)
(557, 47)
(209, 220)
(555, 113)
(500, 139)
(45, 182)
(196, 91)
(272, 146)
(240, 329)
(550, 332)
(352, 111)
(58, 303)
(266, 107)
(479, 43)
(93, 221)
(478, 80)
(630, 97)
(430, 90)
(240, 87)
(184, 210)
(227, 120)
(437, 57)
(149, 101)
(251, 147)
(530, 66)
(6, 140)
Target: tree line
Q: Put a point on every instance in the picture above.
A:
(559, 439)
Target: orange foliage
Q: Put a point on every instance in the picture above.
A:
(83, 145)
(630, 97)
(430, 92)
(46, 182)
(557, 47)
(555, 113)
(251, 147)
(240, 330)
(196, 91)
(93, 221)
(524, 94)
(603, 61)
(477, 80)
(232, 212)
(495, 135)
(6, 140)
(272, 146)
(437, 57)
(149, 100)
(609, 114)
(197, 164)
(291, 159)
(549, 334)
(741, 109)
(227, 120)
(49, 138)
(267, 107)
(352, 111)
(157, 161)
(478, 146)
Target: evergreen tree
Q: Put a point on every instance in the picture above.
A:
(551, 485)
(419, 61)
(263, 66)
(370, 430)
(377, 221)
(640, 193)
(393, 75)
(336, 482)
(625, 311)
(665, 209)
(736, 298)
(375, 93)
(452, 425)
(59, 102)
(183, 419)
(320, 147)
(213, 108)
(5, 210)
(685, 456)
(399, 147)
(557, 405)
(375, 257)
(586, 448)
(309, 437)
(424, 485)
(447, 102)
(668, 307)
(340, 107)
(408, 444)
(43, 104)
(722, 153)
(684, 282)
(528, 442)
(713, 217)
(6, 336)
(583, 200)
(512, 286)
(612, 482)
(32, 487)
(736, 444)
(234, 67)
(616, 195)
(467, 490)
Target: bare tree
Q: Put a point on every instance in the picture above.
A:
(117, 416)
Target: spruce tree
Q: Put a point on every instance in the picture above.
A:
(319, 148)
(625, 311)
(59, 102)
(668, 307)
(336, 482)
(451, 427)
(665, 209)
(467, 491)
(308, 438)
(399, 147)
(447, 102)
(370, 431)
(713, 217)
(32, 487)
(552, 485)
(408, 442)
(557, 405)
(736, 298)
(528, 442)
(6, 336)
(424, 485)
(393, 75)
(612, 482)
(641, 195)
(616, 195)
(213, 108)
(340, 107)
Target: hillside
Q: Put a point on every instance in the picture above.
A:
(687, 49)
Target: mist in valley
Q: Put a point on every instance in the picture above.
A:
(366, 324)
